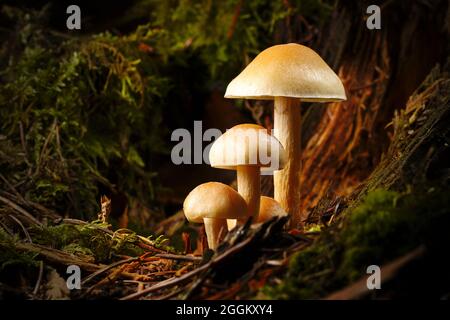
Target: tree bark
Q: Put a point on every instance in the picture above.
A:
(380, 69)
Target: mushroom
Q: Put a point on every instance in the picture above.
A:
(288, 74)
(212, 203)
(268, 209)
(247, 148)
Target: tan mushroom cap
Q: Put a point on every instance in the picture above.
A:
(247, 145)
(268, 209)
(214, 200)
(287, 70)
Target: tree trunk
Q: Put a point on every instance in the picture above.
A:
(380, 69)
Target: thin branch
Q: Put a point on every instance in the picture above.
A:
(27, 235)
(178, 257)
(359, 289)
(38, 282)
(57, 256)
(109, 267)
(44, 147)
(237, 13)
(13, 189)
(23, 141)
(20, 210)
(174, 281)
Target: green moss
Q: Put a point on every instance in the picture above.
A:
(87, 240)
(90, 109)
(10, 258)
(385, 225)
(74, 109)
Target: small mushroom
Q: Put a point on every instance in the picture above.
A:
(268, 209)
(212, 203)
(247, 148)
(288, 74)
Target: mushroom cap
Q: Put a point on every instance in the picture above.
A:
(287, 70)
(269, 208)
(247, 145)
(214, 200)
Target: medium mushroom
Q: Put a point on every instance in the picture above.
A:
(247, 148)
(288, 74)
(212, 203)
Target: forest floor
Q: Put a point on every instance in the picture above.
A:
(396, 219)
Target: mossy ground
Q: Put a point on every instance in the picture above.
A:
(85, 115)
(88, 242)
(384, 226)
(89, 114)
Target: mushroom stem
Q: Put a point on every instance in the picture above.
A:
(249, 187)
(215, 230)
(287, 129)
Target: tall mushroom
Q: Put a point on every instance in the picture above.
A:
(288, 74)
(247, 148)
(212, 203)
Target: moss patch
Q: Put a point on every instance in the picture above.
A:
(385, 225)
(87, 241)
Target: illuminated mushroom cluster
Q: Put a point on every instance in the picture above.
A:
(287, 74)
(247, 149)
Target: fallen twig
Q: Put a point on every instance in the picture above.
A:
(57, 256)
(38, 282)
(109, 267)
(177, 257)
(166, 283)
(359, 289)
(174, 281)
(20, 210)
(27, 235)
